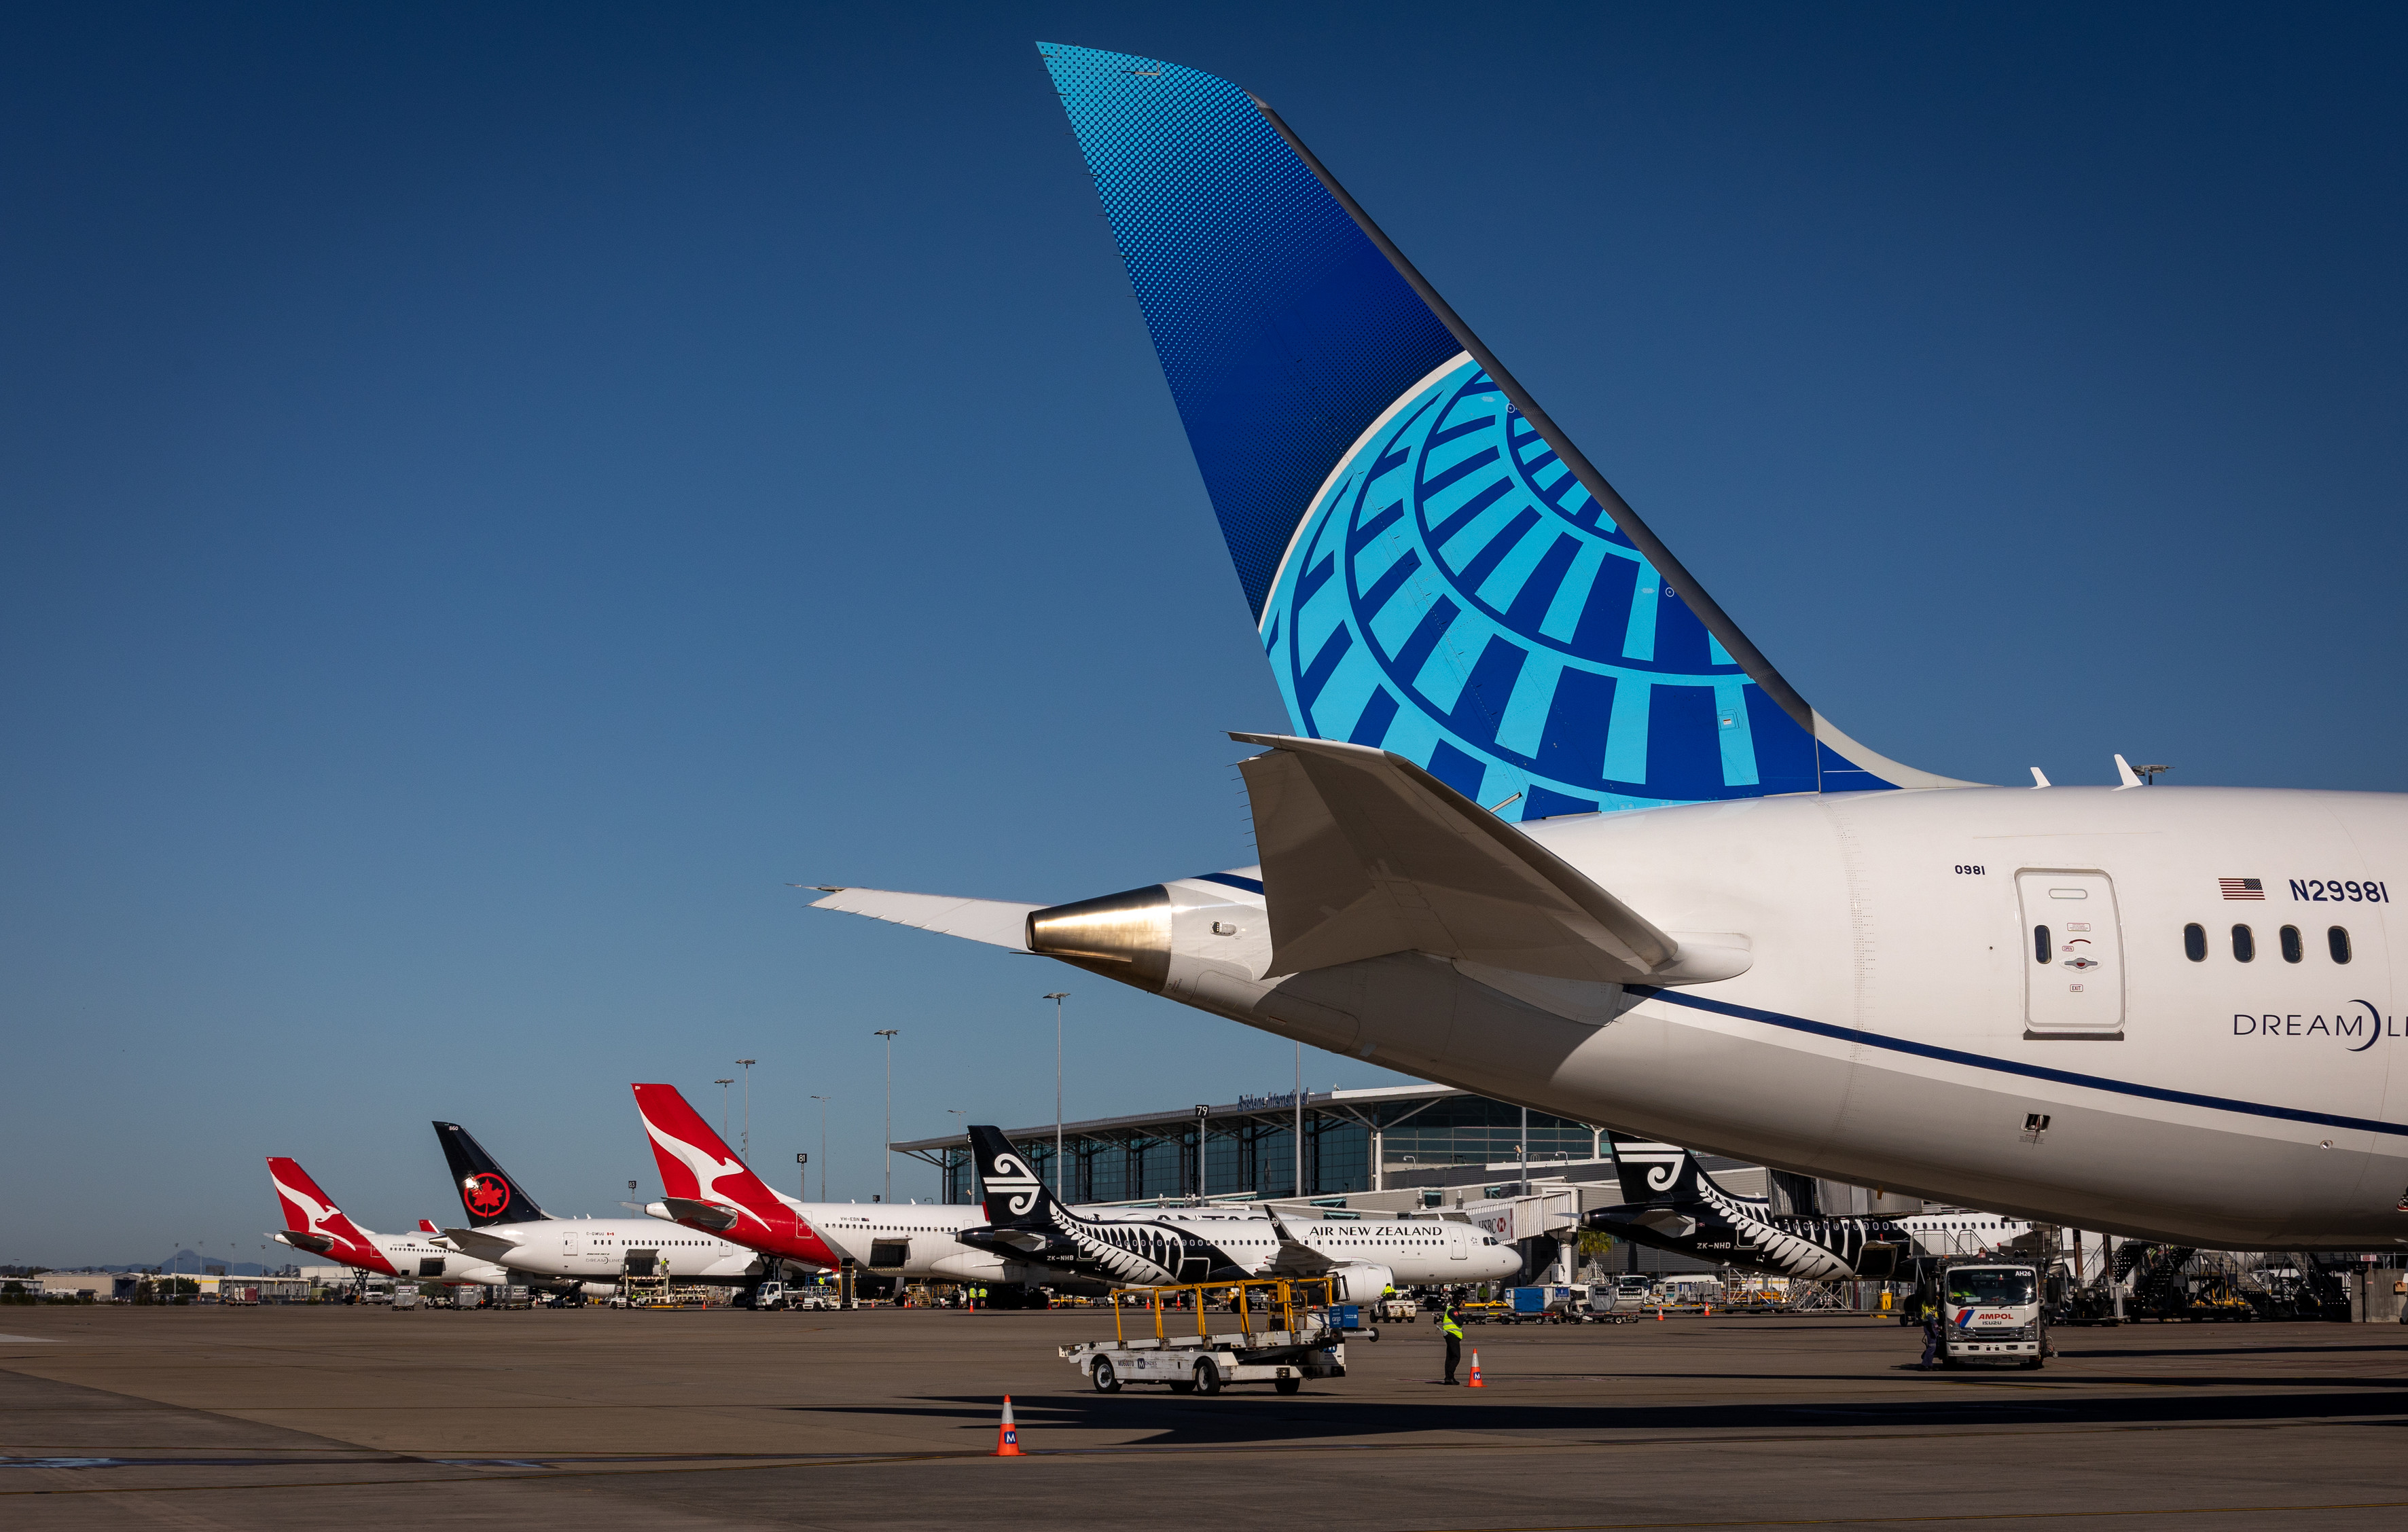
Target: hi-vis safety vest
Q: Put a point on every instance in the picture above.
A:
(1447, 1327)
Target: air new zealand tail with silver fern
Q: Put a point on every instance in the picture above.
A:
(1670, 1203)
(1027, 1222)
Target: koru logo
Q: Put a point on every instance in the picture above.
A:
(485, 1194)
(1014, 1179)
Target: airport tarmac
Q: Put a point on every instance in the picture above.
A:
(364, 1418)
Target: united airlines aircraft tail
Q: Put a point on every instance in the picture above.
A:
(1433, 567)
(487, 1193)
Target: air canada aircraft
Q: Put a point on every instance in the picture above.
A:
(508, 1228)
(312, 1223)
(1366, 1255)
(1692, 908)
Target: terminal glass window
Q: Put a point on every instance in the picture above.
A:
(2195, 942)
(2245, 945)
(2292, 950)
(2338, 941)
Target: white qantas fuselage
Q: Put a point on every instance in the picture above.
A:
(411, 1257)
(1897, 1027)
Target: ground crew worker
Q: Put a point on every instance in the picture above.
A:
(1453, 1333)
(1930, 1334)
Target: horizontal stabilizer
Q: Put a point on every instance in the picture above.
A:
(713, 1216)
(992, 920)
(1364, 853)
(486, 1244)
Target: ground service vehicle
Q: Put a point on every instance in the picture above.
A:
(1296, 1342)
(1990, 1313)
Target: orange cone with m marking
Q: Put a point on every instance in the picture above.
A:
(1007, 1442)
(1475, 1382)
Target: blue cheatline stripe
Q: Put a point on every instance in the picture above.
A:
(2030, 1072)
(1231, 879)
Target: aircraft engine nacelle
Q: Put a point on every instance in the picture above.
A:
(1361, 1282)
(597, 1290)
(1408, 1011)
(975, 1267)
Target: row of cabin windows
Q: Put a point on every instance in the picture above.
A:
(2244, 943)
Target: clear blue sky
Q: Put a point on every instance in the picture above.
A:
(494, 493)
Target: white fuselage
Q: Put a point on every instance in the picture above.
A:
(416, 1258)
(1896, 1027)
(1422, 1252)
(595, 1250)
(868, 1234)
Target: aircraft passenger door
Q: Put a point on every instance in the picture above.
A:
(1457, 1249)
(2073, 954)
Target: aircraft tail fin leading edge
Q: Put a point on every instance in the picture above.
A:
(1434, 567)
(487, 1194)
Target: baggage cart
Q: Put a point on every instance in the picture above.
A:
(1284, 1337)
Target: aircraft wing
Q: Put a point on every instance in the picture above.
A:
(1293, 1257)
(1364, 853)
(994, 922)
(1027, 1240)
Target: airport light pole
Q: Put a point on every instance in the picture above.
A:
(722, 1085)
(745, 1154)
(1058, 998)
(823, 1101)
(1299, 1119)
(802, 1177)
(887, 1144)
(1202, 1111)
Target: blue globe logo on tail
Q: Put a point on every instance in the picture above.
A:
(1454, 596)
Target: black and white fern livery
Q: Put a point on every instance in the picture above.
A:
(1670, 1203)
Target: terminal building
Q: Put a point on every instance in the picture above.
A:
(1389, 1139)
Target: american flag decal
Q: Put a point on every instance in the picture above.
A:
(2242, 888)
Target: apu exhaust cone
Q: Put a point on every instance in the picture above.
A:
(1121, 936)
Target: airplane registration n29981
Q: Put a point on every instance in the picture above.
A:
(1694, 908)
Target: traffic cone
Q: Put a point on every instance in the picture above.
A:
(1008, 1438)
(1709, 1309)
(1659, 1313)
(1475, 1382)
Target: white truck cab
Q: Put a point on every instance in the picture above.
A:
(1989, 1311)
